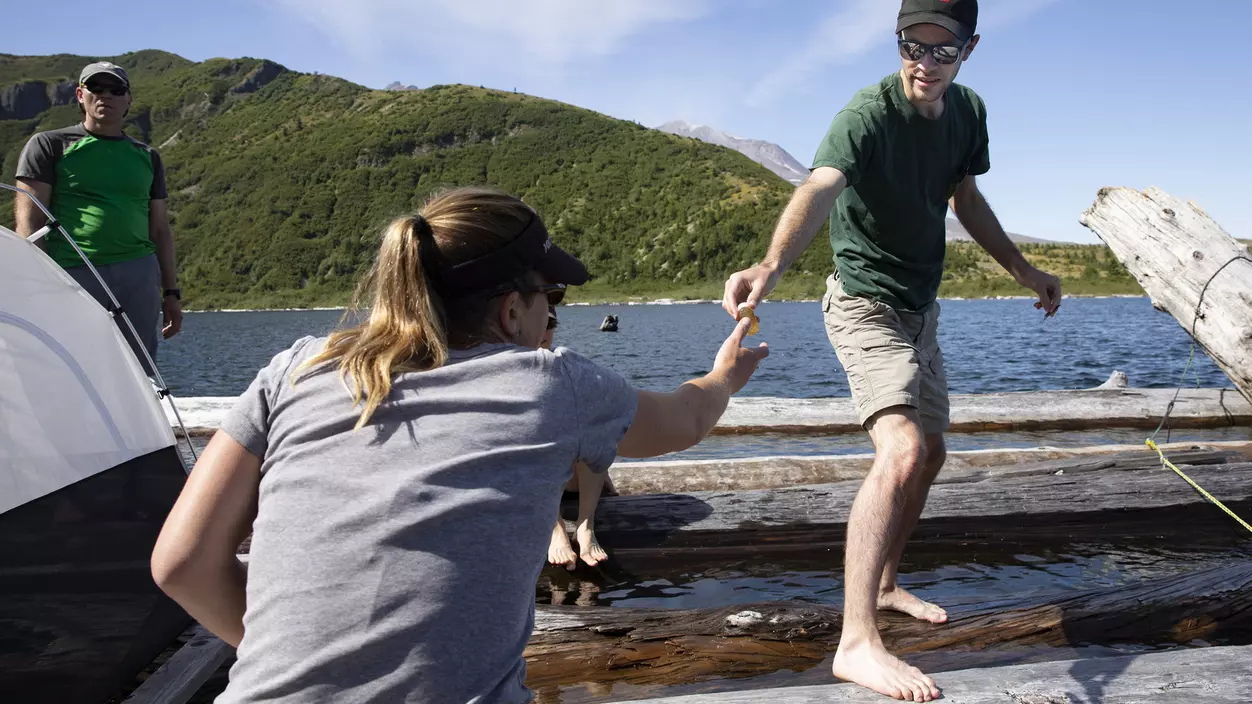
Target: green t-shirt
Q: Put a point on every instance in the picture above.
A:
(887, 227)
(101, 188)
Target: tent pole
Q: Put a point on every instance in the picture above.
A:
(116, 310)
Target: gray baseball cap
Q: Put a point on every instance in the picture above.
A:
(104, 67)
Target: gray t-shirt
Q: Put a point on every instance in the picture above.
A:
(398, 562)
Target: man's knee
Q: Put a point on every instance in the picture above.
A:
(902, 452)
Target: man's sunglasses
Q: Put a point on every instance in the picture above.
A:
(101, 89)
(942, 53)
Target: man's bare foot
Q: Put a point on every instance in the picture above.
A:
(900, 600)
(560, 552)
(871, 666)
(588, 547)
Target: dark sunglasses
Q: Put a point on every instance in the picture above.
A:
(942, 53)
(554, 292)
(100, 89)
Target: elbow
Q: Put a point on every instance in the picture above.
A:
(169, 570)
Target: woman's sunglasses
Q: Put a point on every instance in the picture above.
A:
(942, 53)
(98, 89)
(554, 292)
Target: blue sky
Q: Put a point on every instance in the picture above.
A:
(1081, 93)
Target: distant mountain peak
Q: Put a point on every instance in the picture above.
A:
(767, 154)
(397, 85)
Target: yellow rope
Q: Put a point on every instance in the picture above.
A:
(1166, 463)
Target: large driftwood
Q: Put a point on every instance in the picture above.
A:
(739, 474)
(1177, 252)
(1183, 676)
(1030, 410)
(1068, 495)
(668, 646)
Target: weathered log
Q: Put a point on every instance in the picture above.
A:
(1030, 410)
(1181, 676)
(1020, 411)
(1077, 495)
(1190, 267)
(738, 474)
(670, 646)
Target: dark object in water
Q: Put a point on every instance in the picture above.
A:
(609, 324)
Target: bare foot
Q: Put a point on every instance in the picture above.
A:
(560, 552)
(588, 547)
(871, 666)
(900, 600)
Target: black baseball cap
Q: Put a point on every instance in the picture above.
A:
(531, 249)
(959, 17)
(105, 68)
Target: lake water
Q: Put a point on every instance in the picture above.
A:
(989, 345)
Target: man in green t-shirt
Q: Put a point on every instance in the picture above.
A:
(108, 191)
(896, 158)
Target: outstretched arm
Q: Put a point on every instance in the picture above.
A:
(805, 212)
(980, 221)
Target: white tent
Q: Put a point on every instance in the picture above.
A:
(74, 401)
(89, 469)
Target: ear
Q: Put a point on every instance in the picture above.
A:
(509, 314)
(78, 93)
(973, 42)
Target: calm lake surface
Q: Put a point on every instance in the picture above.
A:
(989, 345)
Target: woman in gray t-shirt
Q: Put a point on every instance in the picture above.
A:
(399, 477)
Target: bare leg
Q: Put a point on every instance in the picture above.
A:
(589, 486)
(877, 517)
(890, 595)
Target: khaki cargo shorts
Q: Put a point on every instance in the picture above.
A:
(892, 358)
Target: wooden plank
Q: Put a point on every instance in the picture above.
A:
(1091, 489)
(1178, 253)
(671, 646)
(1183, 676)
(180, 677)
(1033, 410)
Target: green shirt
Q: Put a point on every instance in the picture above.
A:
(101, 188)
(887, 228)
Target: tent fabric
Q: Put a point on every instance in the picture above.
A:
(74, 401)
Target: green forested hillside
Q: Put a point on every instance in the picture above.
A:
(279, 180)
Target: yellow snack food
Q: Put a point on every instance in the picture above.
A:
(745, 311)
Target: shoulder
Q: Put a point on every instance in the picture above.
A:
(871, 104)
(145, 148)
(58, 138)
(581, 370)
(970, 99)
(300, 351)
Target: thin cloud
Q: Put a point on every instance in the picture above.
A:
(549, 32)
(853, 29)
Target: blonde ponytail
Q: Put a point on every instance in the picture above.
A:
(409, 325)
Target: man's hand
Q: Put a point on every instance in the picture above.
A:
(172, 309)
(749, 286)
(1047, 286)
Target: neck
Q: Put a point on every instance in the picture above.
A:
(927, 109)
(95, 126)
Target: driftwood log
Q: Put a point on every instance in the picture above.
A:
(1178, 254)
(669, 646)
(1023, 411)
(1069, 496)
(738, 474)
(1182, 676)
